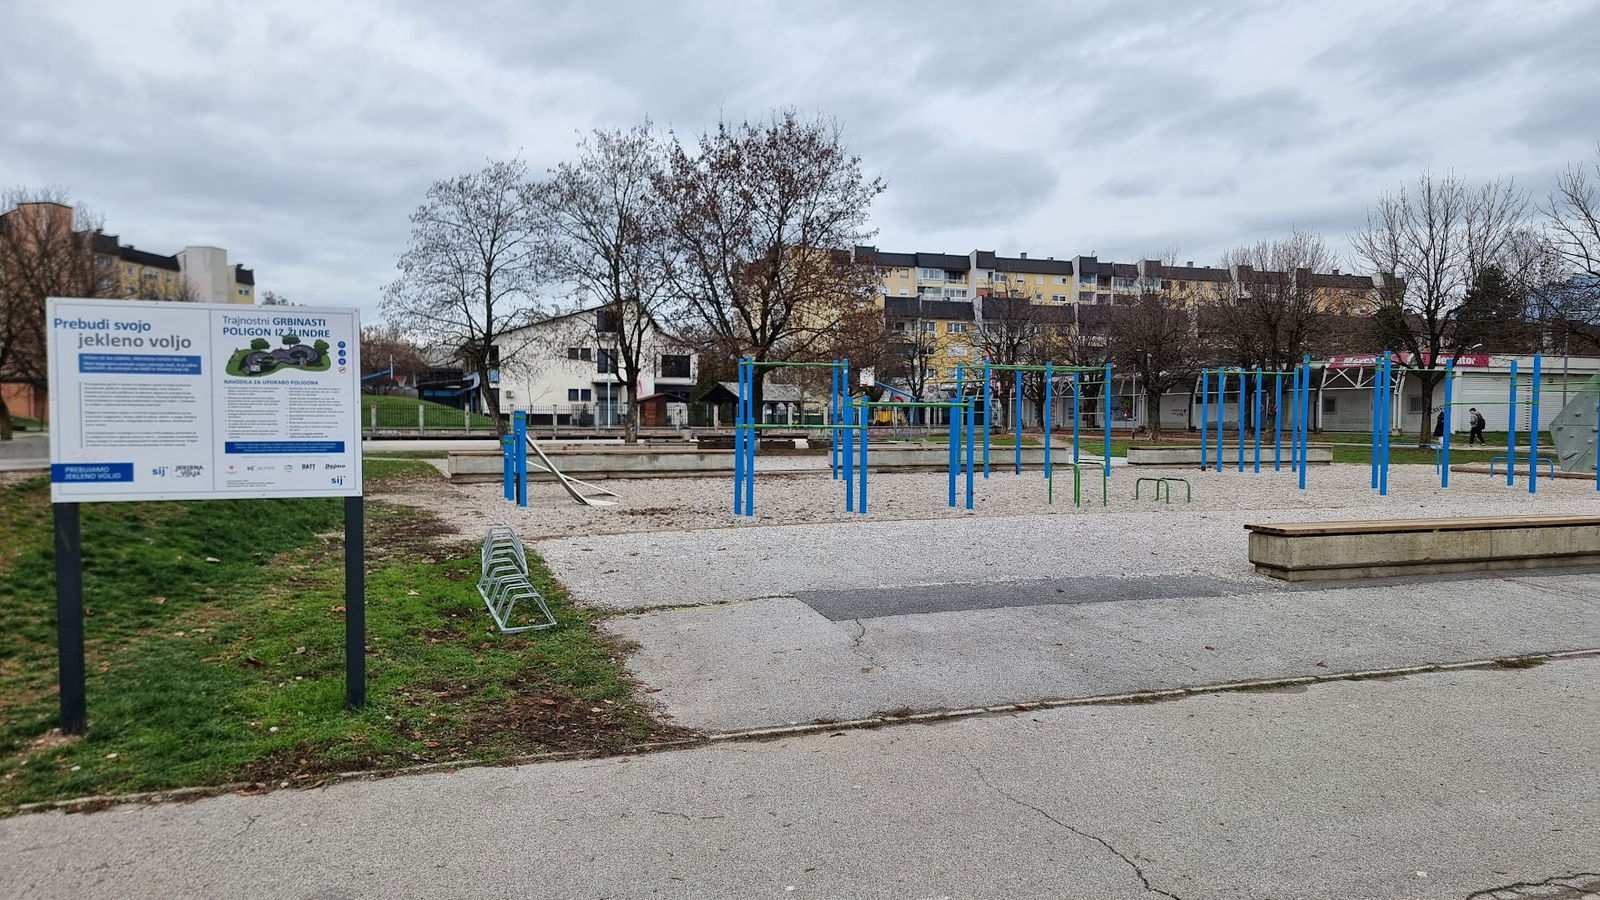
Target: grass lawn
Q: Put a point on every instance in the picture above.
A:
(215, 650)
(401, 412)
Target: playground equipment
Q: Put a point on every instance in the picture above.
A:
(1165, 482)
(851, 423)
(1575, 430)
(1300, 392)
(514, 456)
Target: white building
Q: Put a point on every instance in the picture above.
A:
(563, 371)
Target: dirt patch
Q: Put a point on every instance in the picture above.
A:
(557, 721)
(50, 740)
(647, 511)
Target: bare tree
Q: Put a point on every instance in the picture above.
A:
(467, 281)
(1273, 314)
(272, 298)
(1427, 246)
(1152, 334)
(1572, 215)
(384, 347)
(46, 250)
(760, 216)
(601, 231)
(1006, 331)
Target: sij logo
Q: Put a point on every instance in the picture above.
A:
(337, 479)
(159, 471)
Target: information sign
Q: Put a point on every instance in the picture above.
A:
(191, 401)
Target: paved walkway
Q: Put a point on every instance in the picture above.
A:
(1445, 785)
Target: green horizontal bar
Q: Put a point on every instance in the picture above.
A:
(910, 403)
(802, 427)
(820, 365)
(1051, 368)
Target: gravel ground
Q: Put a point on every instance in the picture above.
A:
(680, 504)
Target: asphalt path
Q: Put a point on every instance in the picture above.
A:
(1447, 785)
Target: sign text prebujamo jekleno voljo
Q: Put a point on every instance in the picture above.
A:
(189, 401)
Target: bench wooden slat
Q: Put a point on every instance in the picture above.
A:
(1382, 526)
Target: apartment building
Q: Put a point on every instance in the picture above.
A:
(198, 274)
(194, 274)
(1090, 281)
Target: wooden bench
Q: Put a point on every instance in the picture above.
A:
(1309, 551)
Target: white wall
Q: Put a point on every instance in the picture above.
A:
(206, 270)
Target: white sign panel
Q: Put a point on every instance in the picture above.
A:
(194, 401)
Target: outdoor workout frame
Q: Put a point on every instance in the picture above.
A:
(1382, 406)
(1299, 385)
(1050, 370)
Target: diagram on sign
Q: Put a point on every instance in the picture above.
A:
(260, 358)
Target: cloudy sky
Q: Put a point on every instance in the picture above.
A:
(299, 135)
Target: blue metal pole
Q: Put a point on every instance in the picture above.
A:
(1016, 413)
(954, 442)
(738, 440)
(519, 421)
(1045, 415)
(1205, 415)
(1244, 386)
(1533, 428)
(833, 418)
(1511, 427)
(1444, 439)
(863, 416)
(1388, 423)
(752, 440)
(1303, 418)
(1222, 410)
(1377, 419)
(1077, 401)
(508, 466)
(1257, 422)
(1277, 422)
(972, 415)
(850, 411)
(1106, 421)
(988, 397)
(961, 396)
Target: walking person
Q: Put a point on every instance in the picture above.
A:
(1438, 426)
(1475, 421)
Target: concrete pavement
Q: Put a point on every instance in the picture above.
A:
(778, 660)
(1444, 785)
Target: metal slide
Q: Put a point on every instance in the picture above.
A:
(1574, 429)
(568, 482)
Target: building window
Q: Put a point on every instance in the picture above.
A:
(955, 328)
(605, 321)
(955, 293)
(572, 353)
(1330, 406)
(1121, 284)
(675, 365)
(605, 362)
(897, 326)
(930, 327)
(585, 353)
(572, 395)
(930, 274)
(1086, 280)
(905, 292)
(1059, 298)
